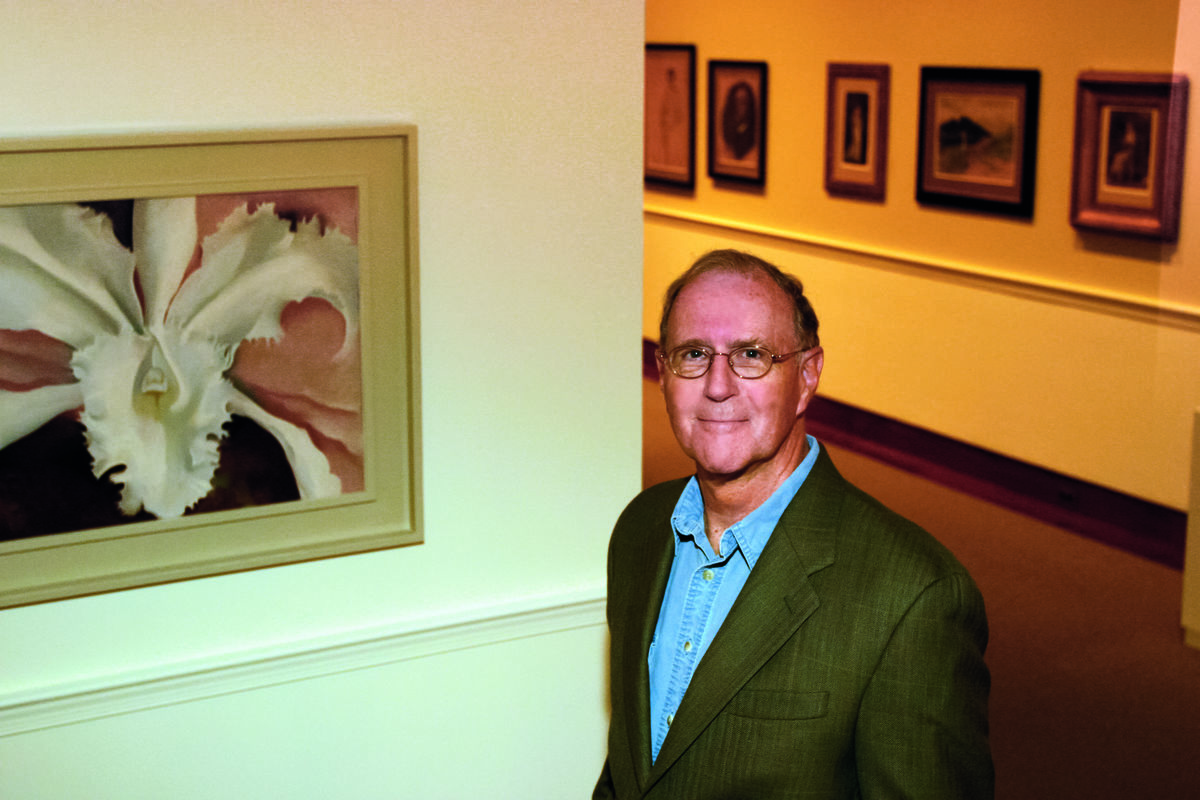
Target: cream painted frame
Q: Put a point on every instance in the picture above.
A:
(380, 161)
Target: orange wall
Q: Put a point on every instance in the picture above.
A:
(1078, 354)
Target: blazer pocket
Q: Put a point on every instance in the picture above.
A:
(761, 704)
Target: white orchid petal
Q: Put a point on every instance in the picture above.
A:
(254, 265)
(164, 238)
(64, 273)
(22, 413)
(154, 411)
(314, 478)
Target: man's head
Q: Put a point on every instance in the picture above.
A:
(734, 426)
(737, 262)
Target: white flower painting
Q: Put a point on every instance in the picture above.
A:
(150, 329)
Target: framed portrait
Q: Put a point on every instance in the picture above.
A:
(208, 354)
(1129, 147)
(737, 121)
(670, 128)
(977, 146)
(856, 130)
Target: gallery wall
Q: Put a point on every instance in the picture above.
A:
(1076, 352)
(446, 669)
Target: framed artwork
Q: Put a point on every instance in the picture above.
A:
(737, 121)
(977, 147)
(670, 135)
(1129, 145)
(856, 130)
(208, 354)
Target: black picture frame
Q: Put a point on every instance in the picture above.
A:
(737, 121)
(669, 145)
(977, 142)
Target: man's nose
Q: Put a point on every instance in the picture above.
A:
(720, 383)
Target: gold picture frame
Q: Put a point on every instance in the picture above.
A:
(325, 216)
(1130, 135)
(856, 130)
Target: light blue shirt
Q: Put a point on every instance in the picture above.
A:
(702, 587)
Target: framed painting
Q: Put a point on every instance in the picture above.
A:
(1129, 146)
(670, 116)
(208, 354)
(856, 130)
(737, 121)
(977, 146)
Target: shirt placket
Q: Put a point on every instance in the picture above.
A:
(703, 587)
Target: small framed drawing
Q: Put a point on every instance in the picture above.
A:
(977, 147)
(1129, 143)
(669, 144)
(737, 121)
(208, 355)
(856, 129)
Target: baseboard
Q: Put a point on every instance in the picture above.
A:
(223, 674)
(1137, 526)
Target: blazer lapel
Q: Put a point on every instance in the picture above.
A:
(655, 560)
(774, 603)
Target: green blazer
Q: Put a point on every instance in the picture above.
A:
(851, 665)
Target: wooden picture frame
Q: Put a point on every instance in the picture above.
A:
(977, 146)
(1130, 131)
(669, 145)
(169, 293)
(856, 130)
(737, 121)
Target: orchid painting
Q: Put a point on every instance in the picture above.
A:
(143, 332)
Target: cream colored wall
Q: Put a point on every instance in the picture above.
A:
(529, 119)
(1078, 354)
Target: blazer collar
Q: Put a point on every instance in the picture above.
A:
(776, 600)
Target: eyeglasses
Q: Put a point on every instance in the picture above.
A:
(693, 361)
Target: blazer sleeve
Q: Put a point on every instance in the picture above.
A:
(604, 786)
(922, 730)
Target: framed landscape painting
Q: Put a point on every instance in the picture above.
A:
(1129, 152)
(207, 355)
(977, 145)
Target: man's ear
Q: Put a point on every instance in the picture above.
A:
(661, 363)
(810, 376)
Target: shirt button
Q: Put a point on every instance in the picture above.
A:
(708, 575)
(687, 647)
(670, 718)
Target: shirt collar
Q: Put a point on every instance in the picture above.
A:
(749, 535)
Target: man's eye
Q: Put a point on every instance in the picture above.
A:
(693, 355)
(752, 354)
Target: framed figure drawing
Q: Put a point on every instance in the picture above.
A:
(737, 121)
(977, 146)
(856, 130)
(1129, 147)
(207, 354)
(669, 143)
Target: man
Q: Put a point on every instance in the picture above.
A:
(775, 632)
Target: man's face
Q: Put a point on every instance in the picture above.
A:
(733, 427)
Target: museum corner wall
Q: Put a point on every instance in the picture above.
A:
(1076, 353)
(473, 664)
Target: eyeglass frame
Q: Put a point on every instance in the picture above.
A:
(712, 354)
